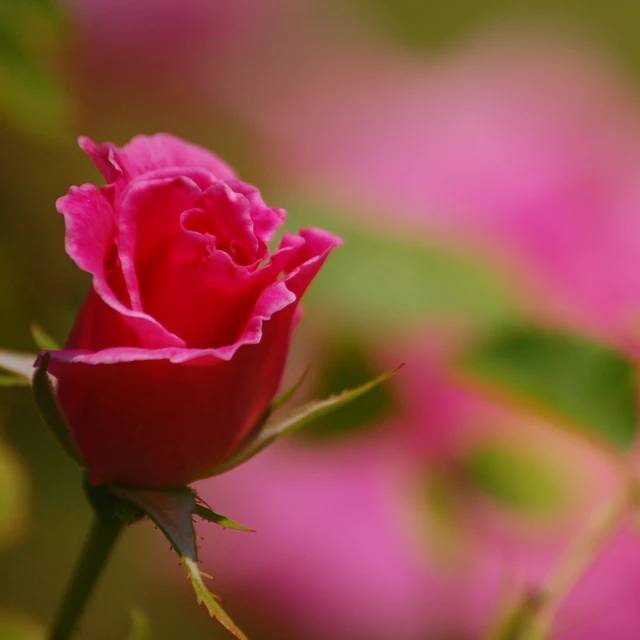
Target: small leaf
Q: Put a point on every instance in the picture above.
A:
(20, 364)
(345, 361)
(514, 478)
(287, 394)
(42, 339)
(48, 407)
(277, 427)
(206, 513)
(141, 629)
(585, 385)
(172, 511)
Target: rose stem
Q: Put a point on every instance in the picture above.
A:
(111, 515)
(578, 557)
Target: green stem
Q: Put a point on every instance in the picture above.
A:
(577, 559)
(531, 615)
(104, 532)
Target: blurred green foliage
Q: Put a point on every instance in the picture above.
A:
(514, 478)
(141, 629)
(14, 626)
(346, 363)
(425, 26)
(588, 386)
(381, 282)
(15, 496)
(443, 514)
(31, 93)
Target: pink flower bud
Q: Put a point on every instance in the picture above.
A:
(182, 341)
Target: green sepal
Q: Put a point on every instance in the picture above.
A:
(206, 513)
(172, 511)
(48, 408)
(276, 427)
(287, 394)
(575, 382)
(42, 339)
(20, 365)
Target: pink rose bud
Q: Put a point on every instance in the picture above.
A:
(182, 341)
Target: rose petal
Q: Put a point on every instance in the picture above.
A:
(148, 153)
(196, 290)
(230, 219)
(301, 256)
(89, 239)
(266, 220)
(179, 421)
(149, 220)
(310, 257)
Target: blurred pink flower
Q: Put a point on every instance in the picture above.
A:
(527, 146)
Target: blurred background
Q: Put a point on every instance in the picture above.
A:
(482, 161)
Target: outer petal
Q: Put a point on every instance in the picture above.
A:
(304, 267)
(154, 423)
(149, 153)
(89, 220)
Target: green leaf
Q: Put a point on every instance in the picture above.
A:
(141, 629)
(278, 426)
(206, 513)
(287, 394)
(20, 364)
(514, 479)
(14, 497)
(384, 280)
(172, 511)
(48, 407)
(584, 385)
(345, 361)
(42, 339)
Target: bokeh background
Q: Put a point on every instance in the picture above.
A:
(482, 161)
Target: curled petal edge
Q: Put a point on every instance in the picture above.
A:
(309, 255)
